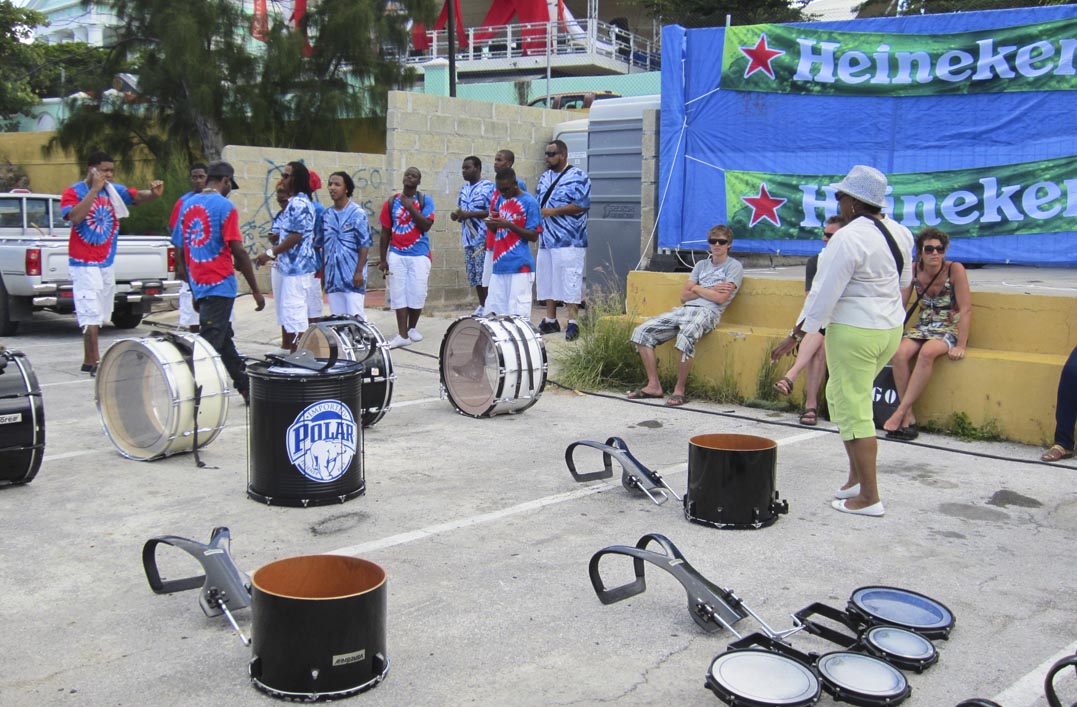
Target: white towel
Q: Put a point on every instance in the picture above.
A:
(118, 204)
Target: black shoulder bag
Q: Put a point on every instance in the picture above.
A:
(549, 192)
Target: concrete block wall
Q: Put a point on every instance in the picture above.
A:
(650, 189)
(258, 169)
(435, 134)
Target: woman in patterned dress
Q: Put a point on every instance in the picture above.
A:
(942, 289)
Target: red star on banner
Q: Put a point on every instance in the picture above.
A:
(761, 55)
(764, 206)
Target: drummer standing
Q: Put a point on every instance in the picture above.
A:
(188, 318)
(344, 238)
(405, 254)
(94, 207)
(516, 220)
(207, 234)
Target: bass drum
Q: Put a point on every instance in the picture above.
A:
(892, 606)
(22, 420)
(492, 365)
(862, 679)
(360, 341)
(752, 677)
(147, 395)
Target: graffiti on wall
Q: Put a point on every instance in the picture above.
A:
(369, 183)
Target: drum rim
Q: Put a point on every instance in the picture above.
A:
(943, 624)
(378, 411)
(931, 652)
(802, 701)
(318, 696)
(831, 683)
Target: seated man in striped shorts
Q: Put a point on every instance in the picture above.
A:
(713, 284)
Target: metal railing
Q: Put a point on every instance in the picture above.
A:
(577, 39)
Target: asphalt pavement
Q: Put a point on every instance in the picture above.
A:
(486, 538)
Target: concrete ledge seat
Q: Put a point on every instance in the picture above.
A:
(1009, 377)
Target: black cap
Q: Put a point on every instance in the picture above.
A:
(222, 170)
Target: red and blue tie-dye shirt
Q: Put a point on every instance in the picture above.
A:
(93, 240)
(512, 254)
(406, 238)
(207, 223)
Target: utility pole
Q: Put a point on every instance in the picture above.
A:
(451, 5)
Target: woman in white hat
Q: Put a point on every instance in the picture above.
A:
(857, 296)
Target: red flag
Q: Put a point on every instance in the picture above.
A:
(260, 21)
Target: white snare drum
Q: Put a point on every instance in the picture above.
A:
(360, 341)
(862, 680)
(758, 678)
(492, 365)
(146, 395)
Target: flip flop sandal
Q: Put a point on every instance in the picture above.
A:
(810, 417)
(641, 394)
(784, 386)
(1056, 454)
(676, 401)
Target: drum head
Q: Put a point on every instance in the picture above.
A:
(862, 679)
(900, 647)
(904, 608)
(471, 367)
(361, 341)
(760, 678)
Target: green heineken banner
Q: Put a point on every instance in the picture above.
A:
(1027, 198)
(793, 59)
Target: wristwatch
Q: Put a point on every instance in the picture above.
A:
(269, 254)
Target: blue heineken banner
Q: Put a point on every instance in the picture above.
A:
(970, 115)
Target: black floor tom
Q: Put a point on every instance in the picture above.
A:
(731, 481)
(318, 625)
(22, 420)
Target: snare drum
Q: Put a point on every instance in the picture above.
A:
(732, 481)
(862, 679)
(492, 365)
(146, 395)
(22, 420)
(752, 677)
(892, 606)
(901, 648)
(360, 341)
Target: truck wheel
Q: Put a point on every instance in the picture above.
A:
(126, 318)
(7, 326)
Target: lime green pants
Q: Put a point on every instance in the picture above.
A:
(854, 356)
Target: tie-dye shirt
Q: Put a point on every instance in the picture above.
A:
(512, 254)
(474, 197)
(406, 238)
(343, 232)
(205, 225)
(93, 240)
(298, 217)
(574, 187)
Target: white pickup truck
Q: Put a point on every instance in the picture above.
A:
(33, 265)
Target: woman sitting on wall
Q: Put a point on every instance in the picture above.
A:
(942, 290)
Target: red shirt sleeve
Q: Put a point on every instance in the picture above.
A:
(175, 214)
(230, 230)
(386, 219)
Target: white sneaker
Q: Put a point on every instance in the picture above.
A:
(479, 311)
(414, 335)
(397, 341)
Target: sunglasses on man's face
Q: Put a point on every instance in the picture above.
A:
(552, 154)
(719, 241)
(935, 249)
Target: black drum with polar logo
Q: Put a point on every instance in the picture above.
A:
(318, 625)
(305, 440)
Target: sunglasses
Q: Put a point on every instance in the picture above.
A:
(935, 249)
(719, 241)
(551, 154)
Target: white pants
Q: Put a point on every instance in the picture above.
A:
(510, 294)
(187, 315)
(487, 267)
(347, 303)
(314, 298)
(292, 302)
(94, 293)
(560, 274)
(410, 276)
